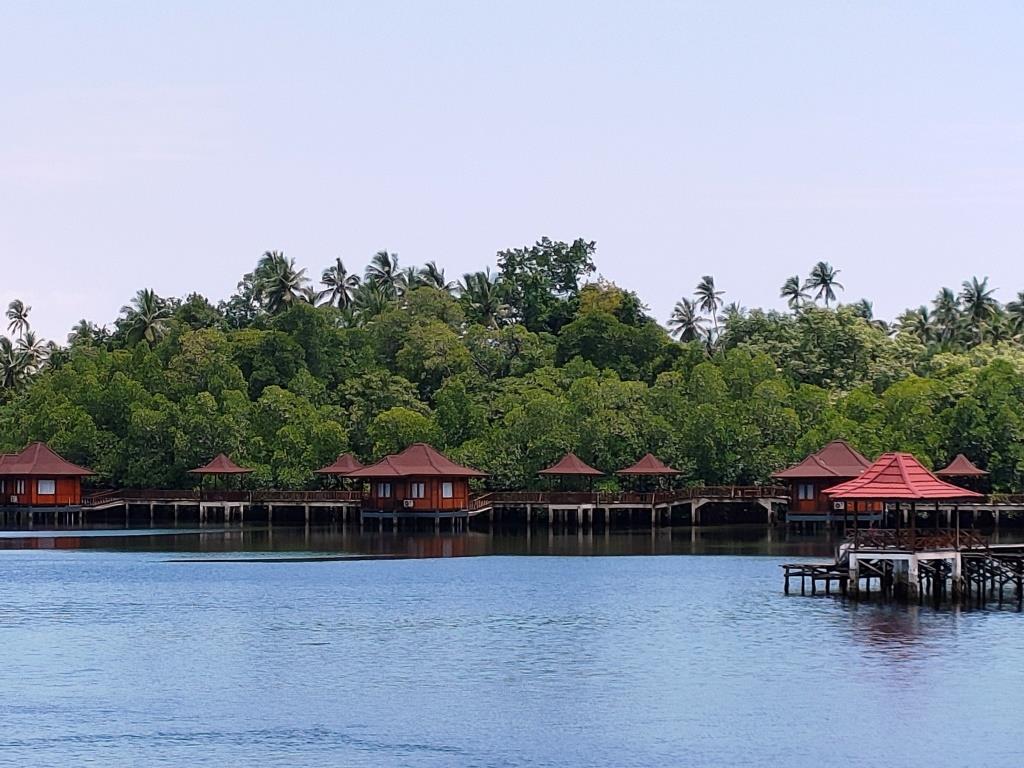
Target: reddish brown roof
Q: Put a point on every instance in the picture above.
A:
(570, 464)
(649, 465)
(220, 465)
(899, 477)
(418, 460)
(39, 459)
(961, 466)
(837, 459)
(342, 465)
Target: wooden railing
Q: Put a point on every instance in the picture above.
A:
(910, 540)
(724, 492)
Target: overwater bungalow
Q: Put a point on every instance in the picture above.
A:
(809, 479)
(38, 477)
(420, 479)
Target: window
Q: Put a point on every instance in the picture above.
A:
(805, 491)
(19, 487)
(447, 490)
(46, 487)
(417, 490)
(384, 490)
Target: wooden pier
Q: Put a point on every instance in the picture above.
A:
(911, 565)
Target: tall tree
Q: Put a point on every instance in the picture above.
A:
(946, 315)
(382, 272)
(17, 314)
(708, 299)
(480, 293)
(280, 283)
(686, 322)
(793, 292)
(823, 280)
(339, 284)
(146, 318)
(1015, 314)
(433, 275)
(979, 306)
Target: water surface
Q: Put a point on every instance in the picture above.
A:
(153, 650)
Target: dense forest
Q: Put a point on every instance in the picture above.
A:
(507, 371)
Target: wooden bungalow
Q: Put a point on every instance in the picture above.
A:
(808, 480)
(419, 479)
(38, 477)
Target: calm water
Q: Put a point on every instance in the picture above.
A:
(195, 650)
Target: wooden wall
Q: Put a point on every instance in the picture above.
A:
(68, 491)
(432, 500)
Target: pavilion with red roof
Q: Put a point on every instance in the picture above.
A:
(571, 465)
(418, 479)
(220, 465)
(961, 466)
(899, 477)
(345, 464)
(808, 480)
(38, 477)
(649, 465)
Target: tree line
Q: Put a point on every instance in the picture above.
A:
(508, 370)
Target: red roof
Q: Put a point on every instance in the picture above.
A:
(899, 477)
(570, 464)
(342, 465)
(961, 466)
(649, 465)
(220, 465)
(38, 459)
(418, 460)
(837, 459)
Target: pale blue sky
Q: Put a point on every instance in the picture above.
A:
(167, 145)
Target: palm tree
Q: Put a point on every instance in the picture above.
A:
(1015, 314)
(33, 350)
(823, 280)
(793, 292)
(708, 299)
(382, 272)
(12, 365)
(81, 333)
(917, 323)
(946, 315)
(686, 322)
(409, 279)
(146, 318)
(979, 305)
(279, 284)
(481, 293)
(433, 276)
(369, 301)
(339, 284)
(17, 313)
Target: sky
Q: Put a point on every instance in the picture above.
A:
(168, 145)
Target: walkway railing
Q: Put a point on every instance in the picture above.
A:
(906, 539)
(718, 492)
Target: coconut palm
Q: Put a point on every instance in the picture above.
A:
(708, 299)
(794, 293)
(433, 276)
(917, 323)
(369, 301)
(340, 285)
(946, 315)
(979, 306)
(81, 333)
(147, 318)
(1015, 314)
(33, 350)
(482, 296)
(686, 322)
(382, 272)
(17, 314)
(13, 370)
(823, 280)
(409, 279)
(278, 283)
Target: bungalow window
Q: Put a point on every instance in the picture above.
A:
(417, 490)
(384, 490)
(19, 487)
(805, 491)
(46, 487)
(447, 491)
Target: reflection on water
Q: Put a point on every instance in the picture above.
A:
(182, 648)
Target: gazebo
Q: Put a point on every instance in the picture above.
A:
(648, 466)
(899, 477)
(571, 465)
(961, 466)
(220, 466)
(342, 467)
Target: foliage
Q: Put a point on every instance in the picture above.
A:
(508, 370)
